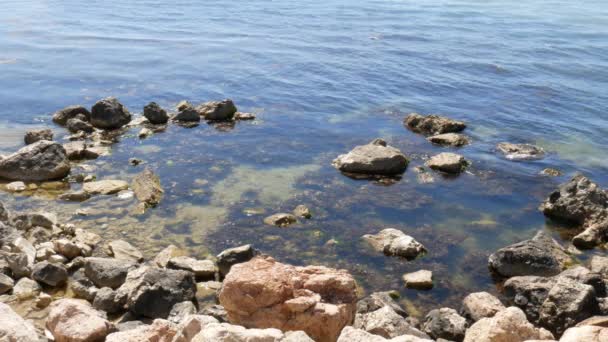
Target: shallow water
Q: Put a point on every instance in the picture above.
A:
(322, 76)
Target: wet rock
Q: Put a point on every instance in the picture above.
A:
(49, 273)
(202, 269)
(107, 272)
(551, 172)
(180, 311)
(445, 323)
(26, 288)
(520, 151)
(375, 158)
(105, 187)
(37, 135)
(540, 255)
(123, 250)
(394, 242)
(217, 110)
(447, 162)
(529, 293)
(76, 125)
(187, 114)
(480, 305)
(244, 116)
(163, 257)
(155, 114)
(16, 187)
(159, 331)
(433, 124)
(147, 188)
(75, 196)
(386, 323)
(152, 292)
(378, 300)
(191, 326)
(13, 328)
(264, 293)
(232, 256)
(449, 139)
(61, 117)
(183, 104)
(105, 300)
(302, 211)
(75, 320)
(6, 283)
(40, 161)
(420, 280)
(508, 325)
(280, 220)
(109, 114)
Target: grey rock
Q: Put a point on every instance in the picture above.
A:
(75, 196)
(6, 283)
(8, 234)
(13, 328)
(155, 114)
(202, 269)
(183, 104)
(445, 323)
(378, 300)
(216, 311)
(26, 288)
(217, 110)
(107, 272)
(449, 139)
(4, 214)
(529, 293)
(599, 264)
(433, 124)
(386, 323)
(67, 248)
(180, 311)
(190, 326)
(37, 135)
(244, 116)
(232, 256)
(551, 172)
(419, 280)
(123, 250)
(76, 125)
(61, 117)
(394, 242)
(109, 114)
(40, 161)
(147, 188)
(447, 162)
(302, 211)
(79, 150)
(375, 158)
(281, 220)
(520, 151)
(105, 300)
(105, 187)
(82, 286)
(187, 114)
(49, 273)
(18, 263)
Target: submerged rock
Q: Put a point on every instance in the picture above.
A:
(551, 172)
(75, 320)
(13, 328)
(394, 242)
(508, 325)
(155, 114)
(147, 188)
(433, 124)
(109, 114)
(61, 117)
(445, 323)
(420, 280)
(217, 110)
(40, 161)
(520, 151)
(37, 135)
(449, 139)
(105, 187)
(447, 162)
(375, 158)
(281, 220)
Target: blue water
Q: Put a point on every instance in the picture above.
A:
(324, 76)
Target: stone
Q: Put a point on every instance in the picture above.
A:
(387, 323)
(13, 328)
(217, 110)
(180, 311)
(520, 151)
(155, 114)
(599, 264)
(144, 133)
(264, 293)
(216, 311)
(540, 256)
(4, 214)
(433, 124)
(379, 300)
(302, 211)
(187, 114)
(508, 325)
(123, 250)
(37, 135)
(43, 300)
(224, 332)
(135, 161)
(105, 300)
(76, 125)
(61, 117)
(75, 196)
(551, 172)
(75, 320)
(393, 242)
(183, 104)
(147, 188)
(447, 162)
(528, 293)
(40, 161)
(202, 269)
(191, 326)
(375, 158)
(49, 273)
(105, 187)
(480, 305)
(109, 114)
(280, 220)
(586, 333)
(107, 272)
(78, 150)
(244, 116)
(82, 286)
(419, 280)
(22, 245)
(449, 139)
(6, 283)
(67, 248)
(26, 288)
(445, 323)
(19, 263)
(152, 292)
(232, 256)
(350, 334)
(159, 331)
(36, 219)
(163, 257)
(16, 186)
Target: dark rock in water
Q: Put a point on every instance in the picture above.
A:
(187, 114)
(375, 158)
(449, 139)
(378, 300)
(135, 161)
(447, 162)
(541, 256)
(217, 110)
(49, 273)
(281, 220)
(445, 323)
(520, 151)
(75, 196)
(232, 256)
(155, 114)
(551, 172)
(107, 272)
(433, 124)
(37, 135)
(394, 242)
(76, 125)
(61, 117)
(40, 161)
(109, 114)
(147, 188)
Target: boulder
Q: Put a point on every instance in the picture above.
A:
(375, 158)
(280, 220)
(217, 110)
(37, 135)
(72, 320)
(520, 151)
(419, 280)
(105, 187)
(26, 288)
(187, 114)
(82, 286)
(40, 161)
(445, 323)
(6, 283)
(480, 305)
(387, 323)
(508, 325)
(599, 264)
(378, 300)
(155, 114)
(163, 257)
(447, 162)
(202, 269)
(350, 334)
(264, 293)
(123, 250)
(109, 114)
(394, 242)
(106, 301)
(579, 201)
(191, 326)
(449, 139)
(244, 116)
(433, 124)
(79, 150)
(49, 273)
(528, 293)
(232, 256)
(180, 311)
(61, 117)
(76, 125)
(13, 328)
(147, 188)
(107, 272)
(224, 332)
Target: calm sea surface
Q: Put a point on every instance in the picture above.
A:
(322, 77)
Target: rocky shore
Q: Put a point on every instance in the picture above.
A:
(86, 289)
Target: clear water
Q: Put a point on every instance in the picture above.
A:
(323, 76)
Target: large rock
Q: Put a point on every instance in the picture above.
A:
(109, 114)
(72, 320)
(264, 293)
(508, 325)
(6, 283)
(378, 300)
(217, 110)
(191, 326)
(163, 257)
(387, 323)
(445, 323)
(123, 250)
(350, 334)
(155, 114)
(449, 139)
(152, 292)
(105, 187)
(40, 161)
(586, 333)
(202, 269)
(61, 117)
(106, 301)
(159, 331)
(394, 242)
(447, 162)
(147, 188)
(480, 305)
(77, 125)
(433, 124)
(579, 201)
(520, 151)
(375, 158)
(224, 332)
(78, 150)
(107, 272)
(540, 256)
(49, 273)
(13, 328)
(187, 114)
(232, 256)
(37, 135)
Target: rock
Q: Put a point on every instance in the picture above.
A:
(540, 255)
(159, 331)
(155, 114)
(586, 333)
(583, 275)
(551, 172)
(217, 110)
(599, 264)
(520, 151)
(191, 326)
(40, 161)
(480, 305)
(4, 214)
(37, 135)
(202, 269)
(24, 246)
(67, 248)
(387, 323)
(591, 236)
(43, 300)
(75, 320)
(302, 211)
(152, 292)
(529, 293)
(375, 158)
(378, 300)
(49, 273)
(508, 325)
(420, 280)
(75, 196)
(180, 311)
(433, 124)
(216, 311)
(578, 201)
(78, 150)
(350, 334)
(26, 288)
(144, 133)
(224, 332)
(281, 220)
(147, 188)
(105, 187)
(36, 219)
(187, 114)
(61, 117)
(107, 272)
(447, 162)
(445, 323)
(163, 257)
(125, 251)
(82, 286)
(449, 139)
(183, 104)
(394, 242)
(232, 256)
(264, 293)
(109, 114)
(135, 161)
(6, 283)
(105, 300)
(16, 186)
(76, 125)
(18, 263)
(244, 116)
(13, 328)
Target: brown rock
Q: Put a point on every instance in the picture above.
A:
(146, 186)
(74, 320)
(159, 331)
